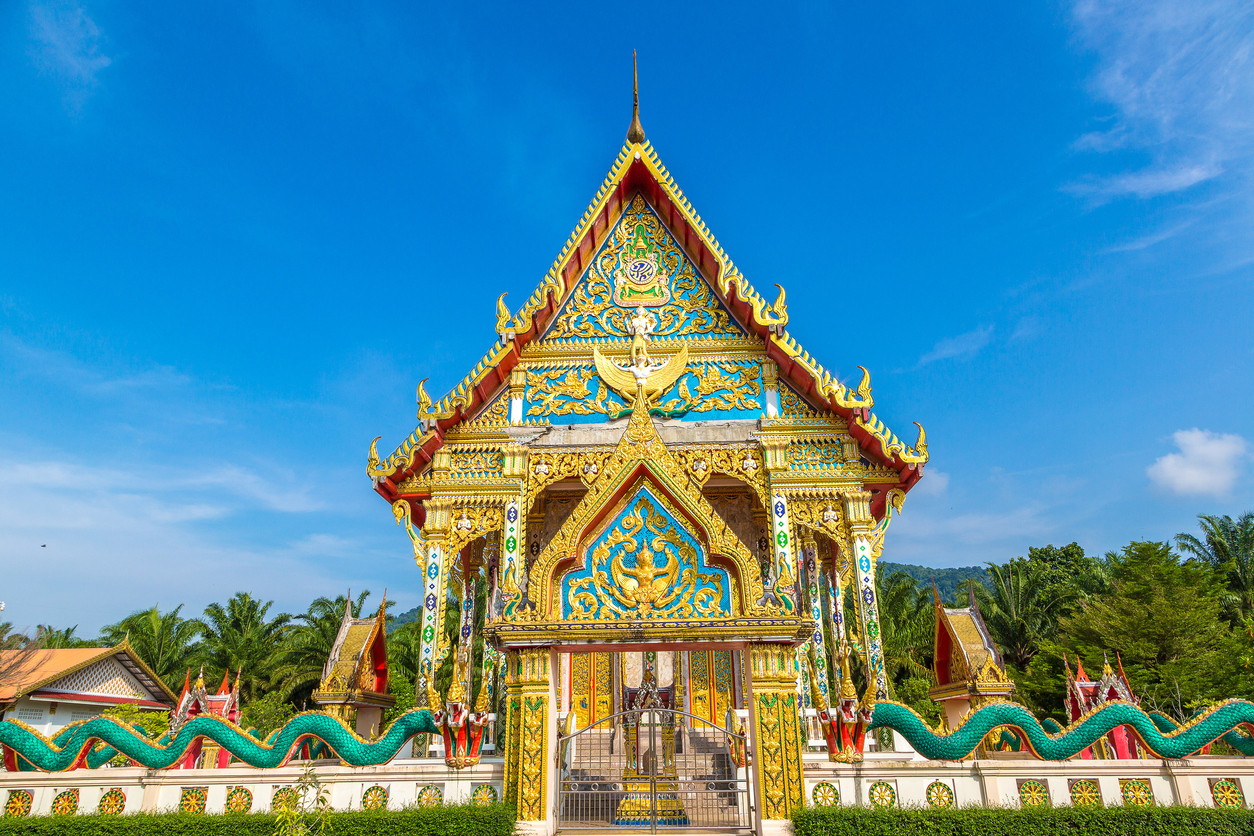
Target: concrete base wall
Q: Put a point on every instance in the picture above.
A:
(995, 782)
(160, 789)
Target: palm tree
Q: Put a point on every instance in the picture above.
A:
(1228, 545)
(309, 644)
(238, 637)
(907, 623)
(1017, 610)
(164, 641)
(404, 649)
(52, 638)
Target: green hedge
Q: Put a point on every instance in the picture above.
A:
(1046, 821)
(452, 820)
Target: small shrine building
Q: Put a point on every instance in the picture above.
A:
(673, 505)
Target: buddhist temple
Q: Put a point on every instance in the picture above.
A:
(646, 526)
(671, 502)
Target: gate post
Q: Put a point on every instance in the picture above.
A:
(530, 723)
(776, 733)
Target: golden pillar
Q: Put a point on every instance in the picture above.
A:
(513, 714)
(777, 729)
(528, 759)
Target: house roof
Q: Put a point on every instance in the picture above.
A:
(638, 170)
(45, 667)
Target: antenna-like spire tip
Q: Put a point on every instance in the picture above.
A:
(635, 133)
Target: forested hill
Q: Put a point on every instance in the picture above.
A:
(947, 580)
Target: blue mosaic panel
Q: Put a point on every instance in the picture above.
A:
(643, 565)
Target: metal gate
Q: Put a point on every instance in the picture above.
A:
(651, 768)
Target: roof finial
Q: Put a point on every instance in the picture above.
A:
(635, 133)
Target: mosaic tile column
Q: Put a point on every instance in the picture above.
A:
(435, 574)
(812, 598)
(782, 547)
(867, 536)
(777, 729)
(511, 562)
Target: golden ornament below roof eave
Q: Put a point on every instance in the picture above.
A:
(770, 317)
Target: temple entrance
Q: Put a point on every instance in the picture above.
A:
(654, 767)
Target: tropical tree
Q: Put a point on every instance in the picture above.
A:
(240, 637)
(908, 626)
(52, 638)
(1227, 544)
(163, 640)
(309, 643)
(1020, 608)
(1163, 616)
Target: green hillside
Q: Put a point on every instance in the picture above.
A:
(947, 580)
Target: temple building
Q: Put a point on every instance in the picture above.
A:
(1085, 694)
(49, 689)
(354, 684)
(196, 700)
(673, 505)
(966, 663)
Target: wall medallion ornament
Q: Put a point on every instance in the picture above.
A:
(882, 794)
(193, 799)
(1085, 793)
(1136, 792)
(825, 794)
(1226, 792)
(939, 795)
(112, 802)
(430, 796)
(640, 279)
(18, 804)
(283, 798)
(65, 804)
(375, 798)
(483, 795)
(239, 800)
(1033, 793)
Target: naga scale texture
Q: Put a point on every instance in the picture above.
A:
(1179, 741)
(76, 745)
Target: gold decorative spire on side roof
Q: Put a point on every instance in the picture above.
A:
(635, 133)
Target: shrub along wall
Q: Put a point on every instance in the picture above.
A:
(452, 820)
(1056, 821)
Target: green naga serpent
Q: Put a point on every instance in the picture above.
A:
(94, 742)
(1232, 721)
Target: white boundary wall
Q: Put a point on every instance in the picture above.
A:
(156, 790)
(994, 782)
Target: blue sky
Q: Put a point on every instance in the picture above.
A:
(233, 237)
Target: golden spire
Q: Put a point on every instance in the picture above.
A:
(847, 691)
(635, 133)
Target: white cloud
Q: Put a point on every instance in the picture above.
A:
(962, 345)
(933, 483)
(65, 43)
(1179, 75)
(1208, 463)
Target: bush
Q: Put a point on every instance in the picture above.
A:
(1042, 821)
(452, 820)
